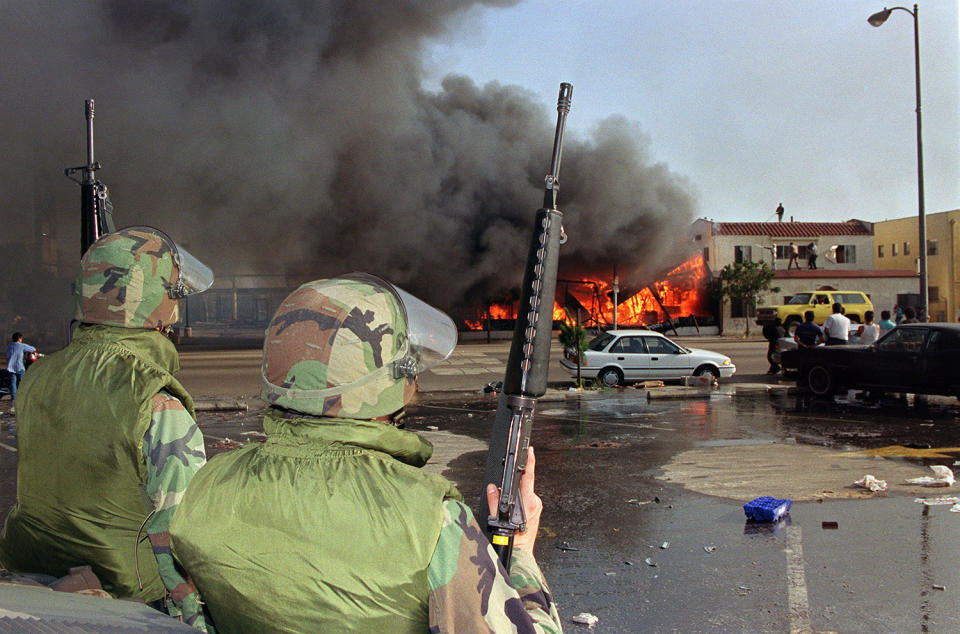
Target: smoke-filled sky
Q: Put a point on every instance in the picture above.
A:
(311, 138)
(756, 102)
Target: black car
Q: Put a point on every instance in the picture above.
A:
(911, 358)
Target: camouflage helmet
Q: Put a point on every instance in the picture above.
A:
(351, 347)
(133, 278)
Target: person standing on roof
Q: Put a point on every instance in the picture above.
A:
(794, 256)
(332, 524)
(812, 256)
(106, 435)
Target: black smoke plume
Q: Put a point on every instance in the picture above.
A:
(297, 137)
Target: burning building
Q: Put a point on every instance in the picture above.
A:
(681, 294)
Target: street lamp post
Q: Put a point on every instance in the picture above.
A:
(878, 19)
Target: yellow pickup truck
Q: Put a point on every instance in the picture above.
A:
(855, 304)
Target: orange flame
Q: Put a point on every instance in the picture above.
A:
(683, 291)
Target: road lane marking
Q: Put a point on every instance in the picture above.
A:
(798, 604)
(899, 451)
(8, 447)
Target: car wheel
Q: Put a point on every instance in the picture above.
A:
(820, 381)
(704, 370)
(610, 377)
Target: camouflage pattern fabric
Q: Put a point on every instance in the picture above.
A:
(173, 451)
(469, 588)
(331, 350)
(125, 279)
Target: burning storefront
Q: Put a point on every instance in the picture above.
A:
(680, 297)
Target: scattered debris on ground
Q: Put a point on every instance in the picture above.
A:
(766, 508)
(942, 477)
(585, 618)
(871, 483)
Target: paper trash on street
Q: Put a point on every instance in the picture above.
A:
(943, 477)
(870, 482)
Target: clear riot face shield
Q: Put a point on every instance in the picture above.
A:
(431, 332)
(195, 276)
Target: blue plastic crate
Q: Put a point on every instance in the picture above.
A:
(766, 509)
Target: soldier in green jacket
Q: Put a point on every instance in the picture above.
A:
(331, 525)
(106, 435)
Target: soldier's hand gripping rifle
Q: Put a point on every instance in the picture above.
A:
(96, 210)
(528, 364)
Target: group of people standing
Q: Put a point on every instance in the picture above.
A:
(328, 525)
(836, 330)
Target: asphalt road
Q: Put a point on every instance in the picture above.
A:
(236, 373)
(643, 524)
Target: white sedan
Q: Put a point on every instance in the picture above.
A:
(617, 356)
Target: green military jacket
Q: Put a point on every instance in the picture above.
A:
(82, 414)
(291, 534)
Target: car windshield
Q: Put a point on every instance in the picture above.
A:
(600, 342)
(800, 298)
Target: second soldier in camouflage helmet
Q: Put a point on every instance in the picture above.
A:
(104, 421)
(134, 278)
(333, 512)
(340, 348)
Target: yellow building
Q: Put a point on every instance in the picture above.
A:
(896, 246)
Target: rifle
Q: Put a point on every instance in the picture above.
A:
(528, 365)
(96, 210)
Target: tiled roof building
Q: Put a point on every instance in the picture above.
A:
(845, 260)
(808, 230)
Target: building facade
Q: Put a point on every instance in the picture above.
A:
(896, 246)
(845, 261)
(840, 245)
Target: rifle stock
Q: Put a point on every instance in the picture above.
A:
(528, 365)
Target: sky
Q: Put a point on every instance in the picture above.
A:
(753, 102)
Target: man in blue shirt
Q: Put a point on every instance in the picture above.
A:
(808, 334)
(15, 351)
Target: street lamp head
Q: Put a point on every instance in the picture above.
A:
(879, 17)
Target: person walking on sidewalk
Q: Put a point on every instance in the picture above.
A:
(772, 331)
(15, 351)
